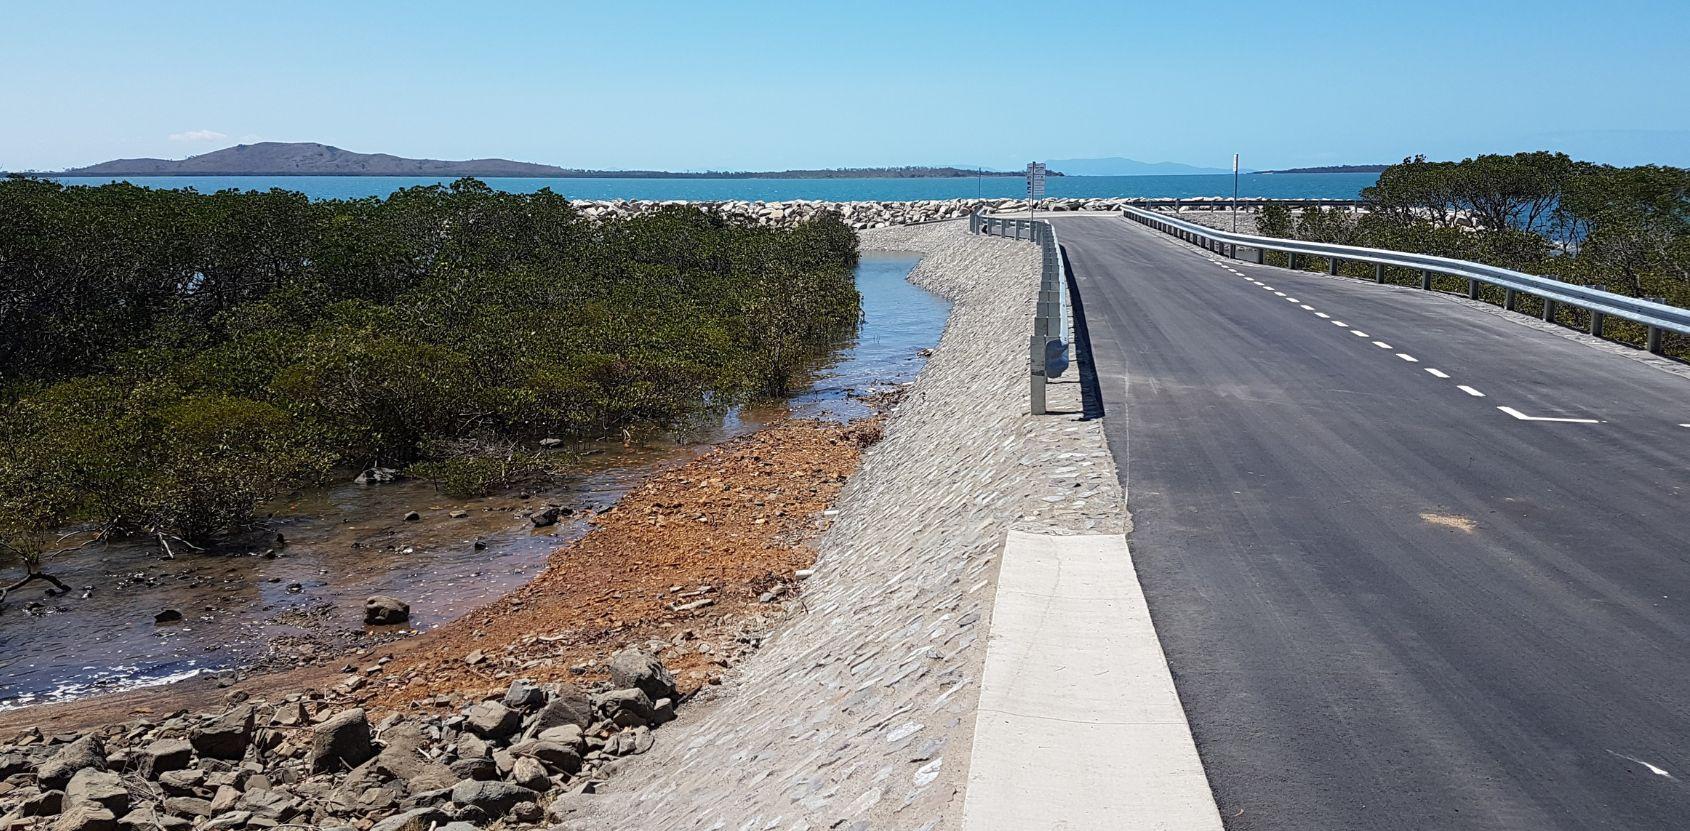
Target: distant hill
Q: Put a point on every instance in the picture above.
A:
(274, 158)
(1117, 166)
(1335, 168)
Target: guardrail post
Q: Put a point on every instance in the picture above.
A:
(1261, 254)
(1548, 310)
(1332, 266)
(1293, 260)
(1379, 272)
(1510, 299)
(1654, 341)
(1597, 322)
(1036, 364)
(1425, 280)
(1472, 289)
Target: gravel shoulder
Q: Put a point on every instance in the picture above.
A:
(860, 713)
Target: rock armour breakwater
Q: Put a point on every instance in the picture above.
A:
(868, 215)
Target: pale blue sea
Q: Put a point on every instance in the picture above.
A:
(1282, 185)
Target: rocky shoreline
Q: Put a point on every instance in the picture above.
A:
(504, 718)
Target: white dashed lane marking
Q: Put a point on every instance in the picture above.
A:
(1340, 324)
(1323, 315)
(1381, 344)
(1470, 391)
(1523, 417)
(1358, 333)
(1407, 357)
(1436, 373)
(1307, 307)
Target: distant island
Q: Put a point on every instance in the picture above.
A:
(274, 158)
(1118, 166)
(1335, 168)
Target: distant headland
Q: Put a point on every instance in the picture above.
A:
(273, 158)
(1334, 168)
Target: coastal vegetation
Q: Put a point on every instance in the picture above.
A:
(170, 359)
(1620, 229)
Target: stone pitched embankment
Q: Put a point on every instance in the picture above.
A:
(860, 714)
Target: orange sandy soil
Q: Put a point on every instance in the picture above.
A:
(736, 519)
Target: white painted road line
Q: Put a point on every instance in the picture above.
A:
(1436, 373)
(1407, 357)
(1307, 307)
(1079, 725)
(1684, 425)
(1323, 315)
(1340, 324)
(1280, 293)
(1359, 333)
(1381, 344)
(1523, 417)
(1470, 391)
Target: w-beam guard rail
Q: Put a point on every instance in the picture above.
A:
(1050, 322)
(1658, 317)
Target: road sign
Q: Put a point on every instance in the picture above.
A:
(1035, 180)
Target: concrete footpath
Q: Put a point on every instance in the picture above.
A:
(1079, 726)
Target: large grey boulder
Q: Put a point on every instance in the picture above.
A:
(626, 708)
(382, 610)
(569, 705)
(556, 757)
(341, 742)
(638, 668)
(495, 798)
(163, 756)
(86, 818)
(227, 737)
(523, 695)
(100, 788)
(492, 720)
(86, 752)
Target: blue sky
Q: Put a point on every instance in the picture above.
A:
(700, 85)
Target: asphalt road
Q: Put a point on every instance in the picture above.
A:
(1386, 603)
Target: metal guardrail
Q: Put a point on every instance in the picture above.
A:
(1047, 348)
(1658, 317)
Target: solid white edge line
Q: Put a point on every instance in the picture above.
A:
(1436, 373)
(1470, 391)
(1523, 417)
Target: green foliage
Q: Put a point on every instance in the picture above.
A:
(171, 359)
(470, 469)
(1626, 230)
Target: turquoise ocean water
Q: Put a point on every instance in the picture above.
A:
(1282, 185)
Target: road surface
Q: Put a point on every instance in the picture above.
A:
(1387, 602)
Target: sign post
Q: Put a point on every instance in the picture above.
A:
(1035, 186)
(1235, 193)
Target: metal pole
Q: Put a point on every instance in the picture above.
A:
(1425, 280)
(1235, 193)
(1036, 359)
(1597, 321)
(1379, 272)
(1654, 342)
(1548, 310)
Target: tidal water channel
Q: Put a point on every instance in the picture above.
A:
(293, 592)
